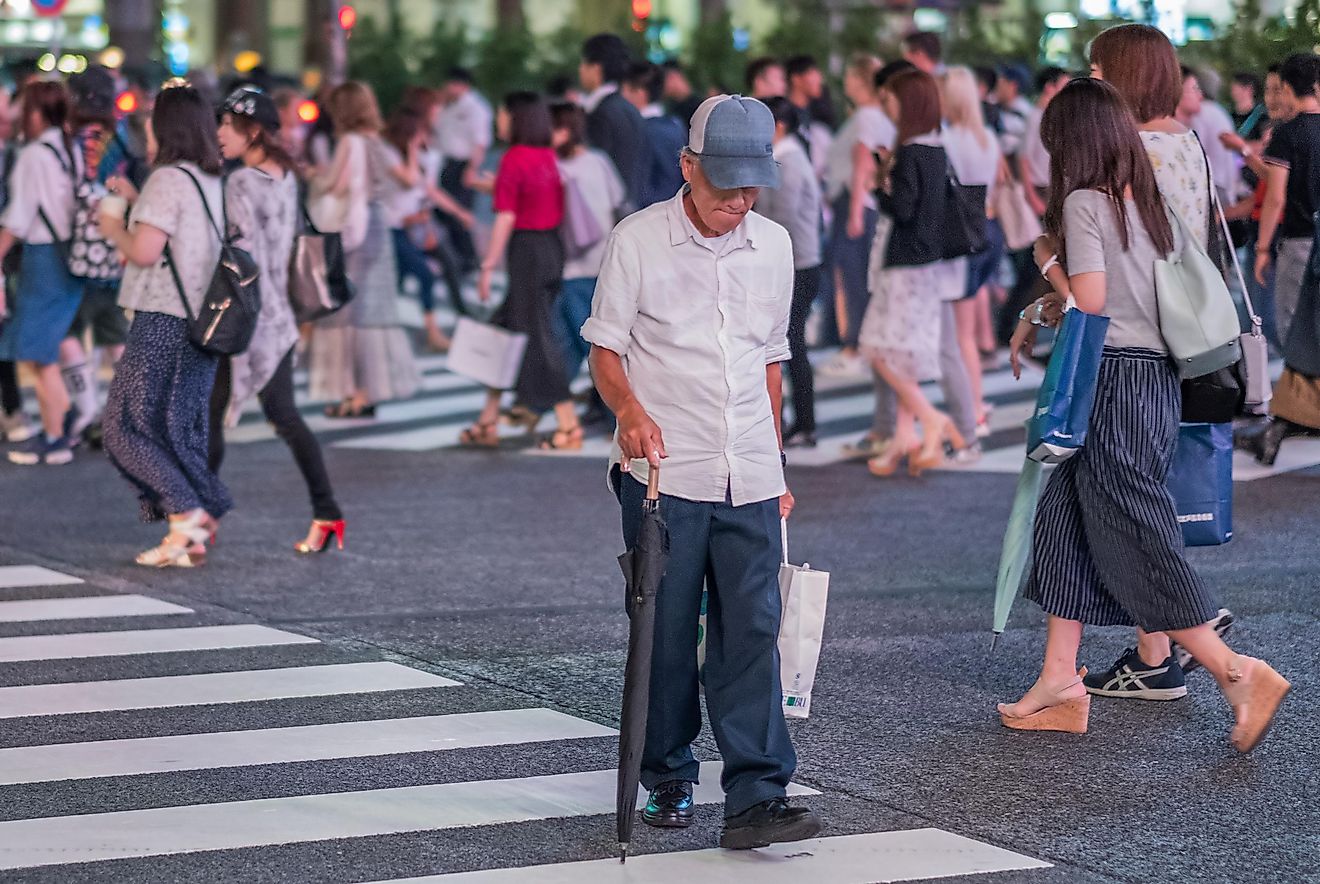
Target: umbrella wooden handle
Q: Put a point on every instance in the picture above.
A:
(653, 484)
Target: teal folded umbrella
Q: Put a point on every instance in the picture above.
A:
(1015, 559)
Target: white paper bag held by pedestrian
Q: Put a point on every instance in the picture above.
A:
(803, 593)
(486, 353)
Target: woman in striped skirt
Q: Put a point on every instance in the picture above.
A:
(1108, 549)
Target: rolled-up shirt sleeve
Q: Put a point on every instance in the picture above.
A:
(777, 348)
(618, 288)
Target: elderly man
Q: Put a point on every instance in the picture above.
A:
(689, 328)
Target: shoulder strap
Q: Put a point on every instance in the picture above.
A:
(1217, 209)
(169, 254)
(206, 206)
(68, 170)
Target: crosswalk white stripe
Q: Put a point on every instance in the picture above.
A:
(243, 824)
(439, 407)
(353, 739)
(75, 645)
(878, 858)
(70, 698)
(33, 575)
(86, 608)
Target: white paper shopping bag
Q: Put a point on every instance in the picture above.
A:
(486, 353)
(803, 593)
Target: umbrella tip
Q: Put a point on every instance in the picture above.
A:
(623, 851)
(994, 640)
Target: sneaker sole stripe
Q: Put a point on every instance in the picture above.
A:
(1158, 694)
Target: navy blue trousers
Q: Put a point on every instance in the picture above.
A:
(734, 552)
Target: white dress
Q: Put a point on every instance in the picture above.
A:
(902, 322)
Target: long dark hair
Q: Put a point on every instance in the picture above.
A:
(1108, 157)
(184, 125)
(401, 129)
(529, 119)
(263, 139)
(918, 103)
(50, 99)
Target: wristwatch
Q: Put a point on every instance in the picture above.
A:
(783, 459)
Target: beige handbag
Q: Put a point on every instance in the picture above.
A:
(1020, 224)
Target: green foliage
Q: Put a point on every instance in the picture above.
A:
(712, 59)
(448, 44)
(978, 40)
(803, 29)
(506, 60)
(1253, 41)
(380, 59)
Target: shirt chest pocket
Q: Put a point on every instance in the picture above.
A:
(759, 311)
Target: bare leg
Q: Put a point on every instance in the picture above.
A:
(985, 327)
(1062, 639)
(566, 416)
(1153, 647)
(490, 412)
(52, 398)
(965, 318)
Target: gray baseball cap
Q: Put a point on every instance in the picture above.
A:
(732, 136)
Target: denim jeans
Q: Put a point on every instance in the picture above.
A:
(572, 310)
(733, 552)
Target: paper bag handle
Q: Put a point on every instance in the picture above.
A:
(783, 537)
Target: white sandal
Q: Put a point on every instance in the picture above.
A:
(183, 547)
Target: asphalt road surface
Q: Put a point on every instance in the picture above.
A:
(439, 699)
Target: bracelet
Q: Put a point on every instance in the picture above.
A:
(783, 459)
(1049, 265)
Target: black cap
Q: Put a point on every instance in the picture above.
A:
(93, 92)
(250, 102)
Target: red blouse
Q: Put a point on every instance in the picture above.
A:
(528, 185)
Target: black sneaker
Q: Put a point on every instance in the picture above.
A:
(669, 806)
(1131, 678)
(770, 822)
(1222, 623)
(42, 450)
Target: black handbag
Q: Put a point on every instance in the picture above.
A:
(228, 317)
(1214, 398)
(965, 218)
(318, 278)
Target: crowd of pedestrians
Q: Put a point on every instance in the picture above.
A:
(952, 213)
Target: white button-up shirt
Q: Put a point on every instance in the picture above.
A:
(464, 125)
(696, 321)
(40, 182)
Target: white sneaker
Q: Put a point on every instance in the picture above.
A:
(16, 427)
(844, 366)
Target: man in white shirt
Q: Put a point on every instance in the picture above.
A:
(688, 330)
(463, 134)
(1034, 159)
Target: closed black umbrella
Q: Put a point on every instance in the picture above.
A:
(643, 567)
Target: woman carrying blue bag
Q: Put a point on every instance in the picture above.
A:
(1108, 550)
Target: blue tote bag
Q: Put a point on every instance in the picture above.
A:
(1201, 481)
(1057, 429)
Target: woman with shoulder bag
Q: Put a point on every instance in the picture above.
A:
(529, 207)
(901, 333)
(262, 206)
(155, 420)
(1107, 548)
(360, 356)
(1142, 65)
(975, 156)
(39, 215)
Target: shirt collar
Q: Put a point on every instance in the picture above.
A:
(681, 228)
(652, 111)
(592, 101)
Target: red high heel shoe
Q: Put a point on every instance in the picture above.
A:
(318, 538)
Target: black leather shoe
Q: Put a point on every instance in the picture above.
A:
(1264, 442)
(669, 806)
(770, 822)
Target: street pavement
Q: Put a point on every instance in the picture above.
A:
(438, 701)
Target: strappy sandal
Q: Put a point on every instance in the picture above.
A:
(347, 409)
(569, 439)
(521, 416)
(480, 435)
(183, 547)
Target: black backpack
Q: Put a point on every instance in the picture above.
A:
(228, 317)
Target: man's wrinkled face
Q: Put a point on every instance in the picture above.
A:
(719, 210)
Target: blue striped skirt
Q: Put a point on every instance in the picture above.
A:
(1107, 547)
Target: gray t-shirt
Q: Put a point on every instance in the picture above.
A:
(170, 202)
(1094, 244)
